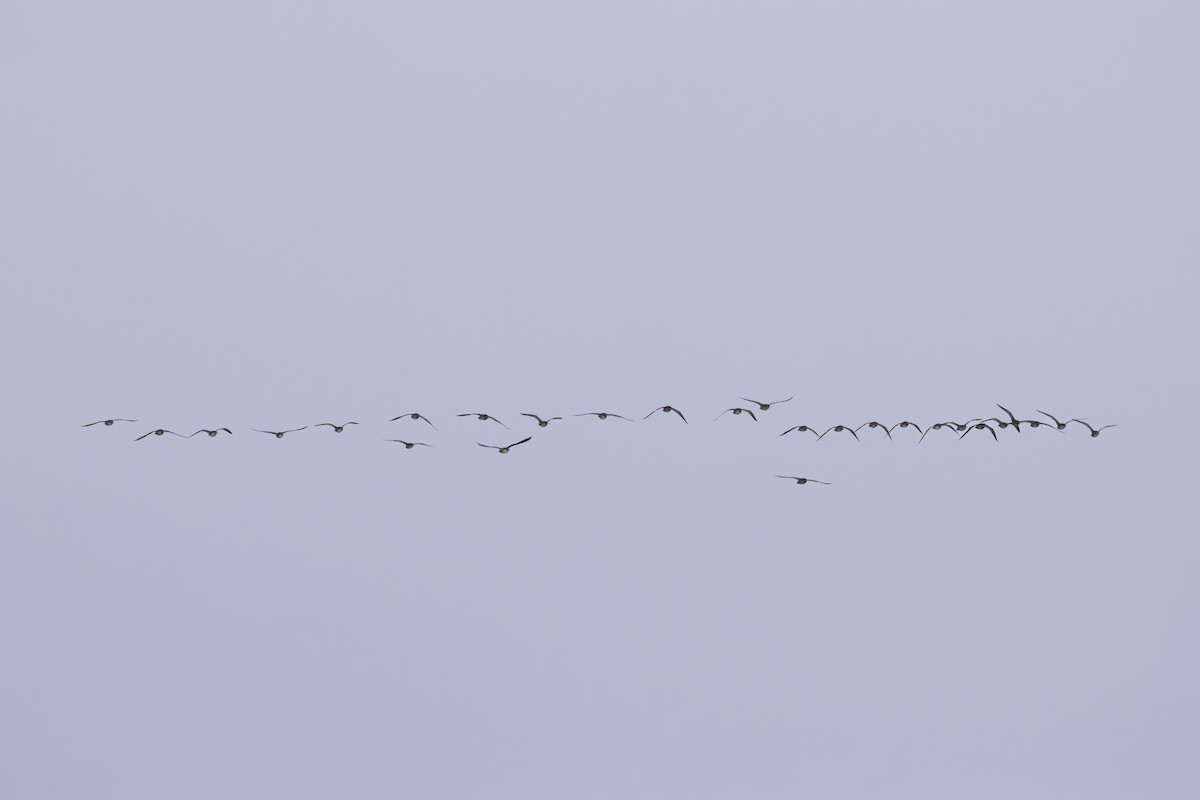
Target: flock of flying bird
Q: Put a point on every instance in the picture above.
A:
(961, 428)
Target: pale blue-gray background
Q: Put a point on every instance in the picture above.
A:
(275, 214)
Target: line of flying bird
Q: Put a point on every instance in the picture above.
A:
(961, 428)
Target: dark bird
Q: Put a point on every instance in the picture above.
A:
(212, 433)
(839, 429)
(937, 426)
(484, 417)
(506, 447)
(279, 434)
(764, 406)
(415, 415)
(1062, 426)
(736, 411)
(874, 424)
(905, 424)
(107, 422)
(409, 445)
(802, 480)
(1095, 431)
(604, 415)
(160, 432)
(336, 428)
(541, 422)
(1012, 419)
(802, 429)
(978, 426)
(667, 409)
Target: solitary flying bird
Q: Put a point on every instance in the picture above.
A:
(603, 415)
(541, 422)
(336, 428)
(764, 406)
(279, 434)
(160, 432)
(1095, 431)
(107, 422)
(803, 480)
(483, 417)
(905, 424)
(874, 424)
(212, 433)
(736, 411)
(506, 447)
(839, 429)
(667, 409)
(1062, 426)
(802, 429)
(408, 445)
(415, 415)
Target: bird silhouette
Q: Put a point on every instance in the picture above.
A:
(668, 410)
(1062, 426)
(978, 426)
(541, 422)
(484, 417)
(506, 447)
(160, 432)
(107, 422)
(603, 415)
(839, 429)
(764, 406)
(279, 434)
(336, 428)
(802, 429)
(906, 424)
(802, 480)
(874, 424)
(409, 445)
(1095, 431)
(736, 411)
(415, 415)
(212, 433)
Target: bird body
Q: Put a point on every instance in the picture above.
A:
(409, 445)
(737, 411)
(107, 422)
(603, 415)
(541, 422)
(279, 434)
(802, 480)
(415, 415)
(336, 428)
(764, 406)
(506, 447)
(484, 417)
(668, 410)
(212, 433)
(160, 432)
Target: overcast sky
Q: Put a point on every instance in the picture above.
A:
(270, 215)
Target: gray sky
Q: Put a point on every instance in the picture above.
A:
(272, 215)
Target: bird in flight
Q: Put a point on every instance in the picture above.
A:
(279, 434)
(107, 422)
(541, 422)
(603, 415)
(506, 447)
(160, 432)
(978, 426)
(736, 411)
(802, 429)
(415, 415)
(409, 445)
(1062, 426)
(1012, 419)
(905, 424)
(874, 424)
(667, 409)
(802, 480)
(839, 429)
(336, 428)
(763, 406)
(937, 426)
(212, 433)
(1095, 431)
(483, 417)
